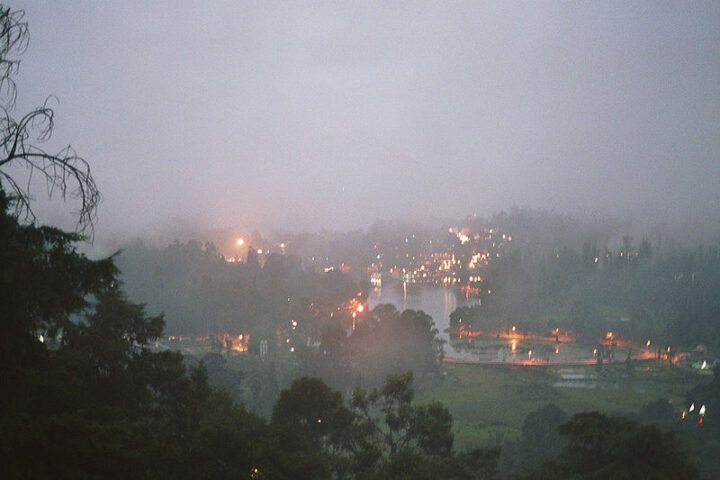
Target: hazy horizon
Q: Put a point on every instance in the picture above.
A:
(272, 116)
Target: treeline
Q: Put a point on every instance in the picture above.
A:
(385, 342)
(200, 293)
(668, 295)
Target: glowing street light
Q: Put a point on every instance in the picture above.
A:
(240, 242)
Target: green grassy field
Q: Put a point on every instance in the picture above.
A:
(490, 402)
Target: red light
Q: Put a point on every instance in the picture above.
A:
(700, 421)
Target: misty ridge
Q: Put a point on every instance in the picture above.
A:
(554, 262)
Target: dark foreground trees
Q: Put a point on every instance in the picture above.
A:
(602, 447)
(377, 435)
(84, 395)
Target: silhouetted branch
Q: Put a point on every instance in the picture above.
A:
(64, 171)
(14, 38)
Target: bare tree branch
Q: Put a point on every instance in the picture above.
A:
(64, 170)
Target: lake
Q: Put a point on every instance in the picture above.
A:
(438, 302)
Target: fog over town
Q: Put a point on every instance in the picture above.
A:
(262, 115)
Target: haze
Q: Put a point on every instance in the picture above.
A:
(241, 115)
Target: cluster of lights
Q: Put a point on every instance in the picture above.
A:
(477, 259)
(701, 413)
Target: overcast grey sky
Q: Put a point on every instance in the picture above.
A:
(299, 116)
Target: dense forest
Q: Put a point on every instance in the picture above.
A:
(200, 293)
(638, 291)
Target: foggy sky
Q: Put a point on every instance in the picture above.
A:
(286, 116)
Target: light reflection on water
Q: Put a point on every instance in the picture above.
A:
(438, 302)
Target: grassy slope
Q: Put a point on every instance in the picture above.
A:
(490, 402)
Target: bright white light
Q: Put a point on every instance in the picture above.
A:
(240, 242)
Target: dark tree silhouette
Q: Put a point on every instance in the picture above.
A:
(65, 172)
